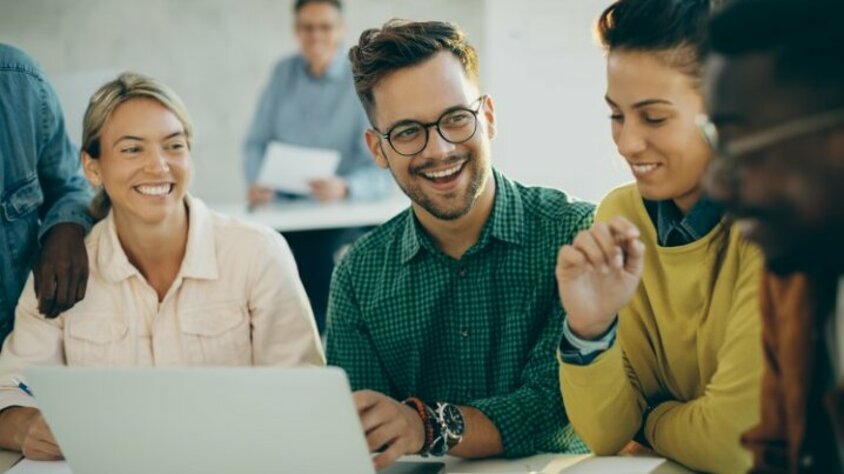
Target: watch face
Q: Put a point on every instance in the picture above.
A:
(453, 419)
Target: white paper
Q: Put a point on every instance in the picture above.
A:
(27, 466)
(288, 168)
(620, 464)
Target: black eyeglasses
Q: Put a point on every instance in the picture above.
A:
(457, 125)
(729, 153)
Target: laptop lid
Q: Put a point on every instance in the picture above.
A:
(202, 420)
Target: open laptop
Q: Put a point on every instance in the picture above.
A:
(206, 420)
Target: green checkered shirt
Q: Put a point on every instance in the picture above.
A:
(406, 320)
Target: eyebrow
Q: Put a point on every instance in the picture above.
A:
(641, 103)
(141, 139)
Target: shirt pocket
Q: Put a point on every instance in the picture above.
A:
(20, 215)
(97, 339)
(217, 334)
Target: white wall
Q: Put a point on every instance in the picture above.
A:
(546, 73)
(216, 54)
(539, 61)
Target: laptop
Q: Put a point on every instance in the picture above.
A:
(206, 420)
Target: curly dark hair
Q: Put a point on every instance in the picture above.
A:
(400, 44)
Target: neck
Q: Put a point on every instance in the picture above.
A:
(686, 202)
(455, 237)
(156, 250)
(317, 68)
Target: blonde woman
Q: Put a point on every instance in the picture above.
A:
(171, 282)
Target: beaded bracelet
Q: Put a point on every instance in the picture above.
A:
(422, 410)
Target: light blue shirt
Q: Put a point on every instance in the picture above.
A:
(322, 112)
(41, 182)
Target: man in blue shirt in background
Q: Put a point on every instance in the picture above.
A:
(310, 101)
(43, 195)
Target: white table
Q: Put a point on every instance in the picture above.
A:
(539, 464)
(311, 215)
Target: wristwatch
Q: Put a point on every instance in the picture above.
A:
(451, 428)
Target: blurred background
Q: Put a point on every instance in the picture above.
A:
(539, 61)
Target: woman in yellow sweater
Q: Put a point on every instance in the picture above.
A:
(662, 333)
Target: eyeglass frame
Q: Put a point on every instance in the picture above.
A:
(427, 126)
(728, 153)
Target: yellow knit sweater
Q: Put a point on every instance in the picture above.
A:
(688, 345)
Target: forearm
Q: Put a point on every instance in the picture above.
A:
(12, 423)
(481, 437)
(701, 434)
(601, 402)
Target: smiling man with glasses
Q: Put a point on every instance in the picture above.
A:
(776, 124)
(446, 318)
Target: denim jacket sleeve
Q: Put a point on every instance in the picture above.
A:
(66, 192)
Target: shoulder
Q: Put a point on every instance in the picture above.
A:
(250, 238)
(624, 200)
(552, 208)
(378, 246)
(14, 59)
(17, 66)
(286, 65)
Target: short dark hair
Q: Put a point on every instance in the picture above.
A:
(400, 44)
(301, 3)
(676, 27)
(804, 37)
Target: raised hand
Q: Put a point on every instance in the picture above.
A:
(597, 275)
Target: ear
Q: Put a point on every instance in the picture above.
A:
(91, 167)
(374, 143)
(488, 110)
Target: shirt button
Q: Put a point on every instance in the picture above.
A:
(464, 332)
(469, 394)
(462, 272)
(806, 461)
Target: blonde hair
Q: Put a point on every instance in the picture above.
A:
(125, 87)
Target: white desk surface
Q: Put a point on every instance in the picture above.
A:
(539, 464)
(311, 215)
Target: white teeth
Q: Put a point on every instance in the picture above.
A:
(444, 173)
(158, 190)
(642, 169)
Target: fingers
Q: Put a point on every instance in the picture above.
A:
(384, 434)
(39, 443)
(395, 451)
(64, 275)
(47, 296)
(365, 399)
(82, 284)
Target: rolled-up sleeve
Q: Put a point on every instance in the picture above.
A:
(35, 341)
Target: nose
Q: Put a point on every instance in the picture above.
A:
(437, 146)
(629, 141)
(156, 163)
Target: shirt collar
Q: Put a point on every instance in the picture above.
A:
(336, 69)
(505, 223)
(200, 259)
(700, 220)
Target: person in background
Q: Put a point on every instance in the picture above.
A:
(446, 317)
(662, 333)
(310, 101)
(172, 283)
(43, 195)
(776, 105)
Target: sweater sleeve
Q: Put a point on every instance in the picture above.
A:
(690, 432)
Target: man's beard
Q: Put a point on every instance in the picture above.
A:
(478, 177)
